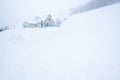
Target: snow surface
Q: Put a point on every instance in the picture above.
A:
(85, 47)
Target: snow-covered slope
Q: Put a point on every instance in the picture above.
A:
(85, 47)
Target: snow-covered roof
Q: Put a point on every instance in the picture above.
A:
(42, 18)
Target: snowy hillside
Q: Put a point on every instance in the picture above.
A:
(85, 47)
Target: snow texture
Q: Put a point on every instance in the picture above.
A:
(85, 47)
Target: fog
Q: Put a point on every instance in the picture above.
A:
(13, 12)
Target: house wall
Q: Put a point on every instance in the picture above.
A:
(49, 22)
(31, 25)
(38, 25)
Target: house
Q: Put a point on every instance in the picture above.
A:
(48, 21)
(45, 21)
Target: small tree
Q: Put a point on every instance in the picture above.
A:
(4, 28)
